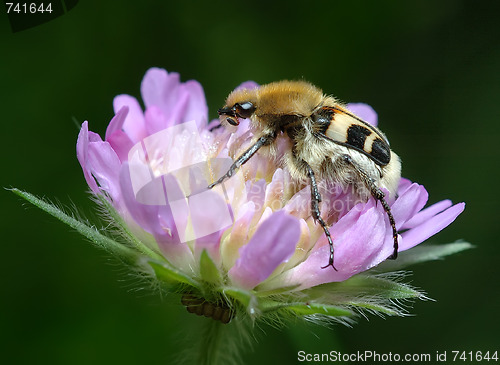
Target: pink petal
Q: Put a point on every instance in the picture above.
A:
(360, 244)
(159, 88)
(247, 85)
(197, 108)
(133, 125)
(99, 162)
(104, 165)
(359, 239)
(210, 216)
(157, 220)
(175, 213)
(409, 203)
(82, 146)
(430, 227)
(273, 243)
(146, 216)
(365, 112)
(175, 114)
(404, 184)
(239, 234)
(426, 214)
(274, 190)
(117, 138)
(116, 124)
(155, 120)
(256, 192)
(214, 123)
(300, 204)
(179, 102)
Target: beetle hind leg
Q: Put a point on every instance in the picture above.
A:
(379, 195)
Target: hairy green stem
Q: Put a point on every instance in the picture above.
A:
(211, 343)
(91, 233)
(215, 343)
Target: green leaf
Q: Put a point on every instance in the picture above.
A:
(209, 272)
(317, 308)
(91, 233)
(422, 253)
(170, 275)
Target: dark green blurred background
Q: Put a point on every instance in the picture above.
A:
(431, 69)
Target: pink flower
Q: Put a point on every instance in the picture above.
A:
(154, 166)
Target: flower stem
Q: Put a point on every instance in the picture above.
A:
(219, 343)
(90, 232)
(210, 343)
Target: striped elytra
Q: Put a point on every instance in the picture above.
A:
(348, 130)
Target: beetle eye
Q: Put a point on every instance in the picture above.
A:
(244, 110)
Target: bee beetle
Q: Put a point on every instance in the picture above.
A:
(327, 142)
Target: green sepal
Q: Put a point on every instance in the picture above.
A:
(390, 310)
(141, 247)
(124, 252)
(247, 299)
(170, 275)
(364, 286)
(282, 290)
(318, 308)
(208, 270)
(422, 253)
(255, 306)
(365, 292)
(243, 296)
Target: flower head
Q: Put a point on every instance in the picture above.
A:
(253, 237)
(251, 242)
